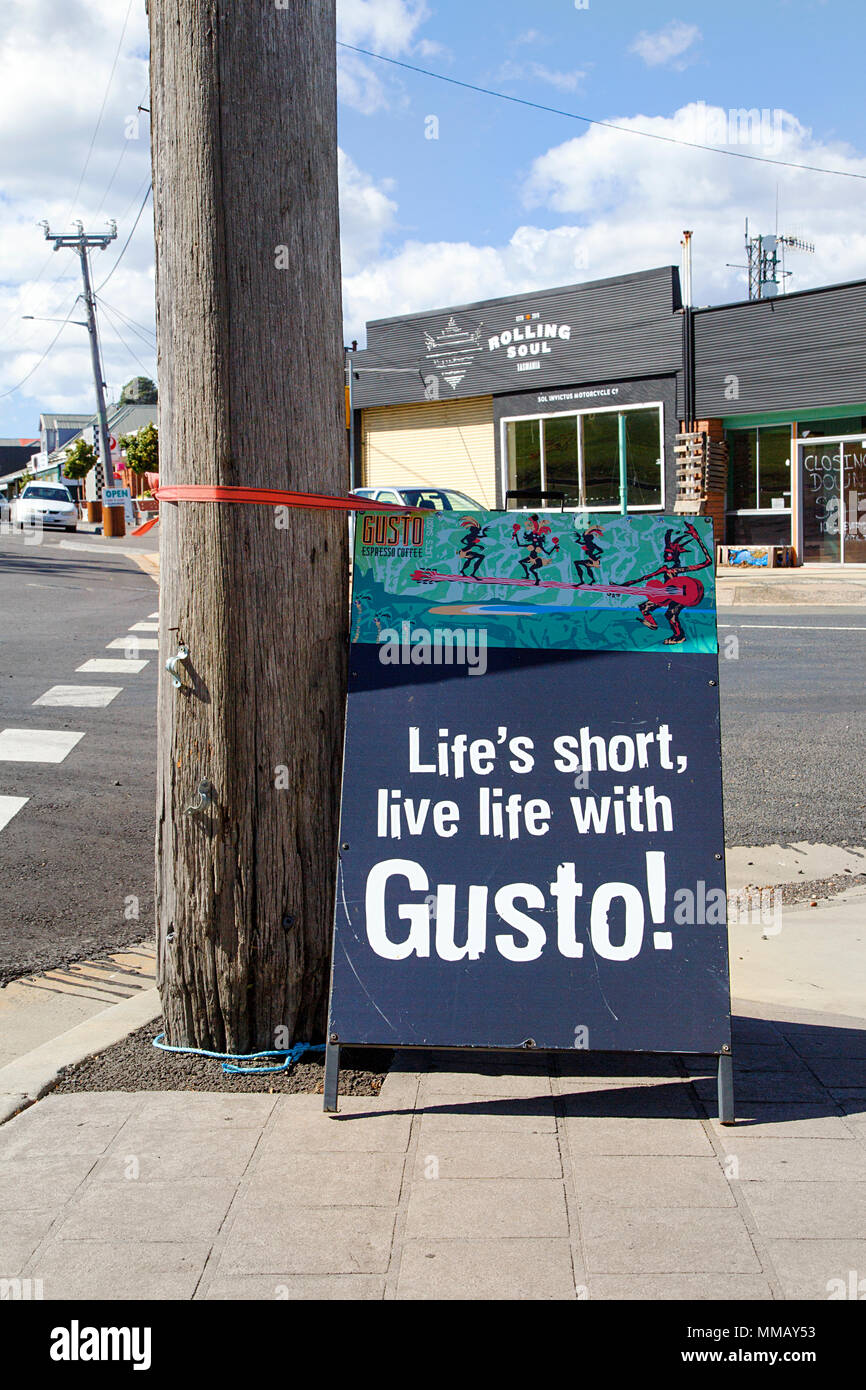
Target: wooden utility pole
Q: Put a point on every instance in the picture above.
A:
(249, 328)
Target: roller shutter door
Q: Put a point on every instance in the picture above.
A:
(437, 443)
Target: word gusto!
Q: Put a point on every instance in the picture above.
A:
(432, 922)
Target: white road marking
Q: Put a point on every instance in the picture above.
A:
(104, 665)
(103, 549)
(9, 807)
(797, 627)
(82, 696)
(36, 745)
(144, 627)
(135, 643)
(153, 615)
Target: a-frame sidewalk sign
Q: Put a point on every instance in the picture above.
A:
(532, 841)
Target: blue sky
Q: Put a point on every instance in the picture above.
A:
(469, 182)
(506, 199)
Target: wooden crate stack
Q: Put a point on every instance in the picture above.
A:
(702, 473)
(689, 451)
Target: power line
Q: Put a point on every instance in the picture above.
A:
(124, 148)
(607, 125)
(102, 107)
(58, 279)
(132, 354)
(128, 240)
(137, 328)
(12, 391)
(47, 262)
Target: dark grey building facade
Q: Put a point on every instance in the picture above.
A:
(534, 390)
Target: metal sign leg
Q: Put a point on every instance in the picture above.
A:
(332, 1077)
(726, 1089)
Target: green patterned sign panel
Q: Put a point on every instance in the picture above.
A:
(546, 580)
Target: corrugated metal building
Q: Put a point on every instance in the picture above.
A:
(538, 390)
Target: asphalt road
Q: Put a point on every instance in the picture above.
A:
(793, 728)
(75, 857)
(77, 854)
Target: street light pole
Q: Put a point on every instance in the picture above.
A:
(82, 243)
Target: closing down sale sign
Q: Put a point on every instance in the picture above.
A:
(531, 836)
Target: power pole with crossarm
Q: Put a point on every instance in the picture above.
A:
(81, 242)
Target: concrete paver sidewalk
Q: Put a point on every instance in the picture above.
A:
(820, 585)
(460, 1181)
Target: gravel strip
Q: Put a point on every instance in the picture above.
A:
(136, 1065)
(810, 889)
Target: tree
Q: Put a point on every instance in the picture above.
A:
(78, 460)
(139, 391)
(251, 392)
(142, 449)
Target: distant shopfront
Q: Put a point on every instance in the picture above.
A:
(786, 378)
(801, 483)
(536, 391)
(527, 392)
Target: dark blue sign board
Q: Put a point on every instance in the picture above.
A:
(532, 842)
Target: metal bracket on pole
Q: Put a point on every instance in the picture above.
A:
(205, 798)
(171, 665)
(332, 1077)
(726, 1089)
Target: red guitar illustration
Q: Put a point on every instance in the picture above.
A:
(683, 589)
(673, 571)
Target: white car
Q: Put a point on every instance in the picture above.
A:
(434, 499)
(45, 504)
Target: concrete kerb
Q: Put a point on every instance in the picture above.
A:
(27, 1078)
(149, 562)
(830, 588)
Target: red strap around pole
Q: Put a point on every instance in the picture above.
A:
(268, 497)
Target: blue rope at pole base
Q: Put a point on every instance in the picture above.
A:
(289, 1054)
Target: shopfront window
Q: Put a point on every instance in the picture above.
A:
(817, 429)
(601, 459)
(578, 455)
(833, 476)
(743, 447)
(524, 454)
(643, 457)
(853, 518)
(759, 486)
(774, 469)
(821, 472)
(562, 457)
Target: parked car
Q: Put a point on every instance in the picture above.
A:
(434, 499)
(45, 504)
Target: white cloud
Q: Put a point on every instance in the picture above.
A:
(431, 48)
(364, 86)
(428, 275)
(667, 45)
(519, 72)
(48, 115)
(366, 215)
(389, 26)
(383, 26)
(622, 203)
